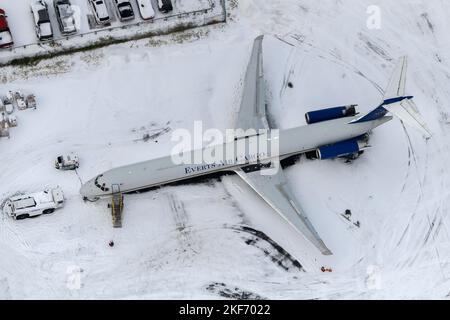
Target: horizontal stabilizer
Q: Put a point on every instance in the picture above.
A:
(407, 112)
(396, 102)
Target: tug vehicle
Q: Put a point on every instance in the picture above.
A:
(67, 162)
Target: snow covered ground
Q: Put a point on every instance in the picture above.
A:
(216, 238)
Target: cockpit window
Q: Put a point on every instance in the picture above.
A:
(100, 186)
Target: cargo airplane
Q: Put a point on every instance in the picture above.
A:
(329, 133)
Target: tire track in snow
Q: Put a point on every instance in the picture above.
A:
(332, 57)
(13, 233)
(232, 292)
(262, 241)
(271, 249)
(188, 244)
(290, 67)
(405, 180)
(411, 160)
(434, 221)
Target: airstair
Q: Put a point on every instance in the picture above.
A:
(116, 206)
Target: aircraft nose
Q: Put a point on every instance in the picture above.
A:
(87, 189)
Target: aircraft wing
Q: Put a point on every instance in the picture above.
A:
(252, 114)
(274, 190)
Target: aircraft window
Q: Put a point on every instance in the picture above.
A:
(97, 184)
(102, 186)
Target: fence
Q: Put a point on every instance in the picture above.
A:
(215, 13)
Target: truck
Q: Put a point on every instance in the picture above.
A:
(34, 204)
(67, 162)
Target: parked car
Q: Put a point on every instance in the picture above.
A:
(165, 6)
(6, 40)
(100, 11)
(146, 9)
(65, 16)
(124, 10)
(41, 18)
(34, 204)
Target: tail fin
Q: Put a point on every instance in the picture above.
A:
(396, 102)
(396, 87)
(400, 105)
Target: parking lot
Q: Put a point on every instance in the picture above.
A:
(22, 28)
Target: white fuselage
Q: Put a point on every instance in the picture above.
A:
(164, 170)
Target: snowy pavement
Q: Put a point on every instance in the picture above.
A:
(216, 238)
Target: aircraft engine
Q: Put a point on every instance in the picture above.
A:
(330, 114)
(341, 149)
